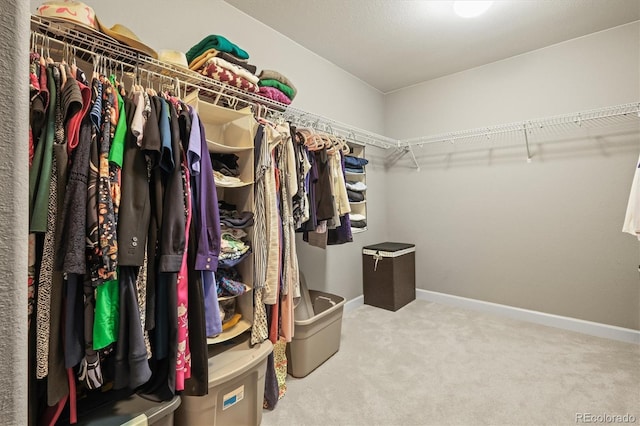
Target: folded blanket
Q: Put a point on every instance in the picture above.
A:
(275, 75)
(233, 68)
(275, 94)
(280, 86)
(216, 42)
(226, 76)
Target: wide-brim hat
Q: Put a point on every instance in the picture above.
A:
(173, 57)
(126, 36)
(80, 16)
(83, 18)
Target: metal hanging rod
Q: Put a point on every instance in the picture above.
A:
(530, 126)
(87, 46)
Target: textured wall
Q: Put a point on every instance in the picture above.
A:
(544, 236)
(14, 34)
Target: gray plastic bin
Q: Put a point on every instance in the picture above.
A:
(317, 338)
(236, 386)
(133, 411)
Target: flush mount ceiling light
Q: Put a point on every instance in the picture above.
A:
(470, 8)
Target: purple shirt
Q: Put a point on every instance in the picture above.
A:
(208, 216)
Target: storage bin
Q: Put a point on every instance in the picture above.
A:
(389, 275)
(132, 411)
(236, 386)
(317, 338)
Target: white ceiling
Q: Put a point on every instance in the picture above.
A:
(391, 44)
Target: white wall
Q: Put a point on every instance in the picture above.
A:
(323, 89)
(542, 236)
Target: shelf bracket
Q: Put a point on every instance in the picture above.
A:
(409, 149)
(526, 141)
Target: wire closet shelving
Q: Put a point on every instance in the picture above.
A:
(93, 47)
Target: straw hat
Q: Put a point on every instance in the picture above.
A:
(126, 36)
(70, 11)
(84, 19)
(173, 57)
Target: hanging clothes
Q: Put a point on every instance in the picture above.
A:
(632, 216)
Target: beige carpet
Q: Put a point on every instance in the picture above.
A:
(432, 364)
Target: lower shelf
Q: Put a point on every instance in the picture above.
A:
(242, 326)
(357, 230)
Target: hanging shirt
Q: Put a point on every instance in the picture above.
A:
(632, 217)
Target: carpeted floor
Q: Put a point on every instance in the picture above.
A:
(432, 364)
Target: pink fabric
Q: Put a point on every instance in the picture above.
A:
(275, 94)
(183, 360)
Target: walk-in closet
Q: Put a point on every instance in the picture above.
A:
(340, 212)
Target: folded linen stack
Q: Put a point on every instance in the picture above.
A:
(276, 86)
(218, 58)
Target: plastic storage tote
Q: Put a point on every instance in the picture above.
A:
(236, 386)
(317, 338)
(389, 275)
(133, 411)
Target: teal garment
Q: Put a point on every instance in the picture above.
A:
(107, 315)
(40, 172)
(288, 91)
(116, 152)
(215, 42)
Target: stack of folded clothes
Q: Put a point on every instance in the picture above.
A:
(355, 196)
(276, 86)
(231, 218)
(229, 282)
(218, 58)
(227, 164)
(356, 186)
(358, 220)
(233, 246)
(354, 164)
(226, 170)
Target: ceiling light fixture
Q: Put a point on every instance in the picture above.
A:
(471, 9)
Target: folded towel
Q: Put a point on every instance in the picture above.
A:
(216, 42)
(280, 86)
(275, 75)
(275, 94)
(233, 68)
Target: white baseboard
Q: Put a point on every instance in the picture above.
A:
(353, 304)
(566, 323)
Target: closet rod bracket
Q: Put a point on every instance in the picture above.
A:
(409, 149)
